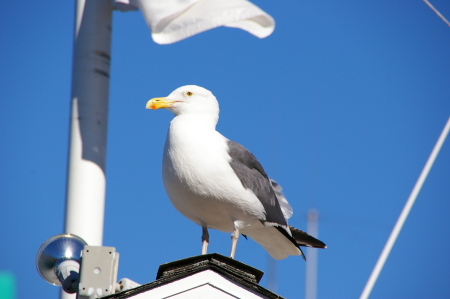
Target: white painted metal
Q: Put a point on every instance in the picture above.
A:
(404, 214)
(99, 266)
(90, 84)
(126, 284)
(86, 180)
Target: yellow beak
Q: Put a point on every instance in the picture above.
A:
(157, 103)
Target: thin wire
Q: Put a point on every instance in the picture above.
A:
(404, 214)
(437, 12)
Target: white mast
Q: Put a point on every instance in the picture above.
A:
(312, 229)
(86, 182)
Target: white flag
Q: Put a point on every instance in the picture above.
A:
(173, 20)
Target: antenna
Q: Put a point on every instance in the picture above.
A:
(312, 229)
(404, 214)
(437, 12)
(271, 273)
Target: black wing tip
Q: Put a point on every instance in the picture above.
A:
(303, 255)
(304, 239)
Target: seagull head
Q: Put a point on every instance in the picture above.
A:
(188, 100)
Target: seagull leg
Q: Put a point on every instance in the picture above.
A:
(234, 239)
(205, 239)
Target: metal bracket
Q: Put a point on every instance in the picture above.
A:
(98, 272)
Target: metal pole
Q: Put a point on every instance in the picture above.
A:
(404, 214)
(86, 182)
(311, 253)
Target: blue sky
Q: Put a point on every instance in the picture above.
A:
(342, 105)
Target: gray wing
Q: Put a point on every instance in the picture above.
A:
(253, 177)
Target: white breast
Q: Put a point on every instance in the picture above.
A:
(199, 180)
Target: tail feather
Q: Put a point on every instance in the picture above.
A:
(279, 243)
(274, 242)
(290, 238)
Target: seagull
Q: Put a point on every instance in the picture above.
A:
(218, 184)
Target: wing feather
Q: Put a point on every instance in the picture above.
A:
(252, 176)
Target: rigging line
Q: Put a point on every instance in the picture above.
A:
(437, 12)
(404, 214)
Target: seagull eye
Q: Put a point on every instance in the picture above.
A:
(189, 93)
